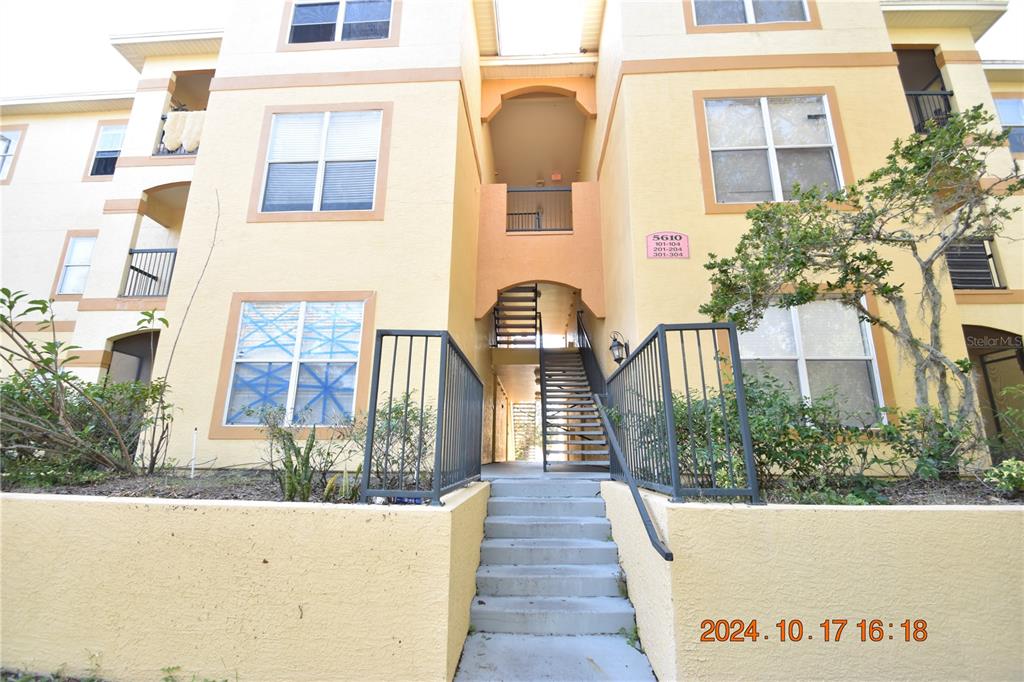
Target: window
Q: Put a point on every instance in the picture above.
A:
(299, 356)
(1011, 115)
(9, 140)
(108, 148)
(713, 12)
(317, 22)
(818, 348)
(323, 161)
(762, 146)
(75, 269)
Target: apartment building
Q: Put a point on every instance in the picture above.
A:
(316, 171)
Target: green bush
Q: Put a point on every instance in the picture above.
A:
(1008, 476)
(1009, 444)
(937, 447)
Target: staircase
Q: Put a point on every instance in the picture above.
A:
(524, 426)
(572, 427)
(548, 565)
(515, 317)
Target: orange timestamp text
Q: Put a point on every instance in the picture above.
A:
(828, 630)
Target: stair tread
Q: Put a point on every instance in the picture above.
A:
(507, 518)
(562, 604)
(548, 543)
(548, 570)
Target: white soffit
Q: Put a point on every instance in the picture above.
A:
(137, 47)
(978, 16)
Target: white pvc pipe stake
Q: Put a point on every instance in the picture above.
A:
(195, 440)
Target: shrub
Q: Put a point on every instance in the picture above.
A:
(299, 469)
(937, 447)
(1008, 476)
(1009, 444)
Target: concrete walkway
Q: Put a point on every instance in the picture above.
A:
(489, 472)
(493, 657)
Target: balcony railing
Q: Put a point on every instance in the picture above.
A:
(930, 105)
(149, 272)
(539, 209)
(180, 133)
(972, 265)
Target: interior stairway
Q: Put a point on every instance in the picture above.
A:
(572, 425)
(548, 565)
(515, 317)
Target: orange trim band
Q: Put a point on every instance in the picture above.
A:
(221, 431)
(987, 296)
(113, 206)
(156, 85)
(126, 303)
(90, 358)
(33, 326)
(944, 57)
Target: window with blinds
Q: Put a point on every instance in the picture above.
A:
(108, 148)
(323, 161)
(317, 22)
(712, 12)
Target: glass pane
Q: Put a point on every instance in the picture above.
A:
(353, 135)
(719, 12)
(778, 10)
(268, 330)
(1011, 111)
(9, 141)
(104, 164)
(312, 33)
(367, 10)
(851, 384)
(331, 331)
(296, 137)
(73, 279)
(79, 250)
(348, 186)
(772, 338)
(1017, 139)
(735, 123)
(798, 121)
(366, 30)
(290, 187)
(325, 392)
(783, 371)
(742, 176)
(807, 168)
(5, 166)
(829, 329)
(257, 387)
(110, 138)
(319, 13)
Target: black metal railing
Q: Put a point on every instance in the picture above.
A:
(680, 422)
(590, 364)
(538, 209)
(971, 265)
(149, 272)
(425, 418)
(929, 105)
(543, 394)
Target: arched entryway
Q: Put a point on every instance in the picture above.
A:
(997, 357)
(131, 357)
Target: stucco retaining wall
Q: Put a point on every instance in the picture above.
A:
(960, 568)
(238, 590)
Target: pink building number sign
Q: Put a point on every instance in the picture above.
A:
(668, 245)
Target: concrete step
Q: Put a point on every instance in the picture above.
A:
(545, 506)
(532, 551)
(580, 580)
(524, 658)
(552, 615)
(544, 487)
(577, 527)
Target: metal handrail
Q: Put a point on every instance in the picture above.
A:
(543, 394)
(149, 272)
(645, 516)
(590, 364)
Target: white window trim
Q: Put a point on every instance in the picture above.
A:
(771, 148)
(801, 359)
(751, 18)
(7, 157)
(99, 137)
(296, 360)
(65, 266)
(321, 168)
(339, 24)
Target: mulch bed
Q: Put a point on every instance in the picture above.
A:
(209, 484)
(916, 491)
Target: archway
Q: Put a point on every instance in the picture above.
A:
(131, 357)
(998, 360)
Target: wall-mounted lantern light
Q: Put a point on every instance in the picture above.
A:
(619, 348)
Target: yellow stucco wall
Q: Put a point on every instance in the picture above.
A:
(956, 567)
(238, 590)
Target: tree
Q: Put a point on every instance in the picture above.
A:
(936, 190)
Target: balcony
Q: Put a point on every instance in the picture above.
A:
(933, 105)
(149, 272)
(180, 133)
(971, 265)
(539, 209)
